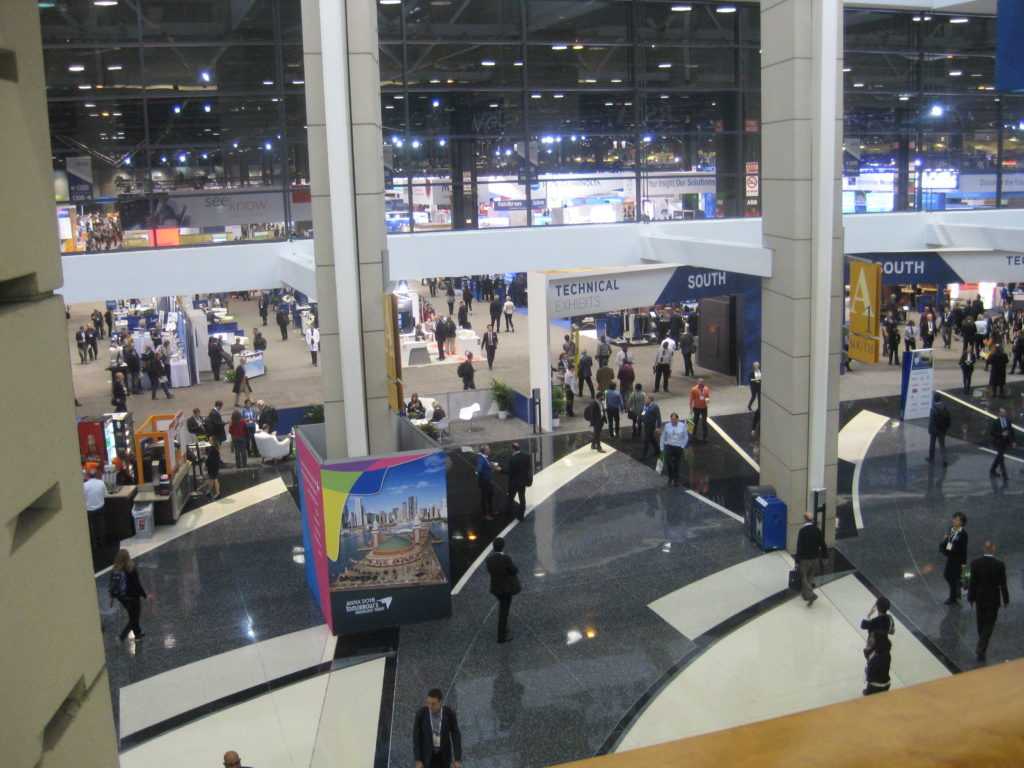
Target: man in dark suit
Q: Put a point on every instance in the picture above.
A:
(490, 344)
(196, 423)
(264, 308)
(267, 417)
(650, 420)
(282, 323)
(987, 584)
(595, 414)
(464, 315)
(436, 738)
(1002, 438)
(583, 373)
(810, 546)
(938, 425)
(504, 585)
(520, 475)
(215, 422)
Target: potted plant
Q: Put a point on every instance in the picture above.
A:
(502, 393)
(314, 414)
(557, 406)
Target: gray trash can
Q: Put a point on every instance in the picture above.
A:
(142, 514)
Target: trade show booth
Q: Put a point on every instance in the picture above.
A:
(161, 444)
(728, 305)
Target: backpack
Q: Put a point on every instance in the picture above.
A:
(118, 584)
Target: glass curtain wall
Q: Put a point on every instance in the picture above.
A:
(547, 112)
(175, 123)
(924, 126)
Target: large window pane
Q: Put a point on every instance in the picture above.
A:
(175, 21)
(82, 21)
(492, 20)
(587, 21)
(579, 66)
(670, 22)
(475, 65)
(85, 71)
(191, 68)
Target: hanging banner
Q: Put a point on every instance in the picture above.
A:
(865, 308)
(79, 178)
(917, 390)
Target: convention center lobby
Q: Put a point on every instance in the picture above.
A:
(223, 324)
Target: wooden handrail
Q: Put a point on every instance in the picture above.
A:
(971, 719)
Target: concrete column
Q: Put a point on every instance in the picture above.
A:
(56, 694)
(347, 180)
(801, 65)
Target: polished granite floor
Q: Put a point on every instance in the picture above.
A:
(593, 654)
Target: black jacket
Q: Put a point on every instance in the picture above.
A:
(267, 420)
(504, 580)
(956, 555)
(520, 469)
(215, 425)
(1000, 441)
(988, 582)
(938, 419)
(423, 737)
(810, 543)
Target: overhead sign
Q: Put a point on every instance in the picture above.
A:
(865, 308)
(922, 267)
(1009, 51)
(624, 288)
(79, 178)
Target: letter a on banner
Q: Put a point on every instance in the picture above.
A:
(865, 305)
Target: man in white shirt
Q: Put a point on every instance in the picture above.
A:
(674, 438)
(663, 365)
(95, 503)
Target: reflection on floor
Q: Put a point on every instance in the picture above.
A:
(645, 615)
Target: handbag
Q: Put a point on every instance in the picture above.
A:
(690, 423)
(796, 580)
(660, 466)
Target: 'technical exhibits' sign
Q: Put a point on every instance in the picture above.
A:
(638, 287)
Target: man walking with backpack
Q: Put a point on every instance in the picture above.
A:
(938, 425)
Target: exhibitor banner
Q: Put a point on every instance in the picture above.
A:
(917, 389)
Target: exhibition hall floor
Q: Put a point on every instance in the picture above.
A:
(646, 613)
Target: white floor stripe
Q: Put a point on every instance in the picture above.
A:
(1005, 455)
(204, 515)
(317, 722)
(545, 483)
(787, 660)
(854, 441)
(170, 693)
(973, 407)
(697, 607)
(717, 506)
(735, 446)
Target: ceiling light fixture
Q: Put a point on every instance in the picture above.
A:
(76, 67)
(682, 8)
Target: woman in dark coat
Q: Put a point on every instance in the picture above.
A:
(213, 465)
(997, 362)
(127, 589)
(954, 547)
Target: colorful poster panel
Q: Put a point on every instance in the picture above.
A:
(385, 523)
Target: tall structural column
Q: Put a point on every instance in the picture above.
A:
(801, 66)
(340, 52)
(54, 691)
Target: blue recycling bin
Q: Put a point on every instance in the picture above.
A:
(772, 516)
